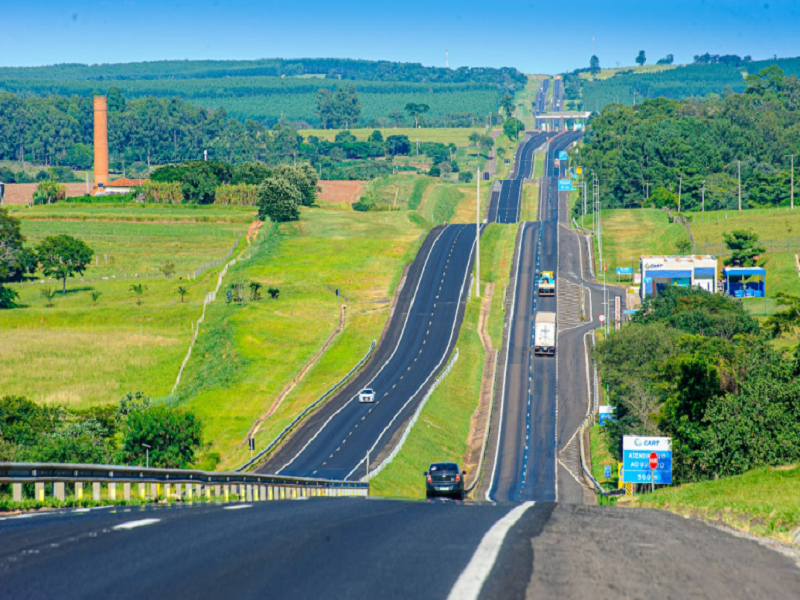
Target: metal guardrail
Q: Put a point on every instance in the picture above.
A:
(308, 409)
(167, 483)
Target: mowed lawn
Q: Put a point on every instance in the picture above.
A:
(245, 356)
(83, 353)
(441, 432)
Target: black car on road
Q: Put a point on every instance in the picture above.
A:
(444, 479)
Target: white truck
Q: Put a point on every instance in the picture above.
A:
(544, 335)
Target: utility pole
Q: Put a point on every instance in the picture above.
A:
(791, 198)
(680, 186)
(478, 235)
(739, 170)
(583, 224)
(703, 205)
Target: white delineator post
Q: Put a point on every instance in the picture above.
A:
(478, 235)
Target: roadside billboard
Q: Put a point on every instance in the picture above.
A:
(636, 453)
(606, 415)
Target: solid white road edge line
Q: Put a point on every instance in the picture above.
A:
(500, 414)
(237, 506)
(470, 582)
(388, 360)
(135, 524)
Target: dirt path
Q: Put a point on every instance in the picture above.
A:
(253, 230)
(480, 418)
(293, 383)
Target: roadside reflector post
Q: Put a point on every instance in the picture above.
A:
(39, 489)
(96, 489)
(17, 492)
(58, 490)
(167, 491)
(249, 493)
(112, 491)
(217, 491)
(188, 492)
(208, 492)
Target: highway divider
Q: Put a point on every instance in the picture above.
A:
(307, 411)
(153, 484)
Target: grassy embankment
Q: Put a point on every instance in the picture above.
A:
(629, 233)
(443, 427)
(763, 501)
(530, 191)
(81, 353)
(245, 356)
(526, 97)
(601, 457)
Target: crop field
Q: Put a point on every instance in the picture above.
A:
(444, 424)
(444, 135)
(637, 70)
(81, 351)
(245, 356)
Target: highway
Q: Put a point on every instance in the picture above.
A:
(334, 442)
(354, 548)
(558, 95)
(504, 204)
(541, 97)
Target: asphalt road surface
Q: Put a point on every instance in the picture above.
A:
(504, 204)
(541, 96)
(353, 548)
(334, 442)
(558, 95)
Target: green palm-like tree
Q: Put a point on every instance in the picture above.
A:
(48, 293)
(139, 289)
(182, 291)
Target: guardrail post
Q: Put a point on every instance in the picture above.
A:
(112, 491)
(167, 491)
(126, 491)
(226, 490)
(142, 490)
(249, 492)
(178, 491)
(17, 491)
(188, 492)
(217, 491)
(262, 494)
(58, 490)
(39, 489)
(294, 492)
(96, 491)
(198, 490)
(256, 490)
(208, 492)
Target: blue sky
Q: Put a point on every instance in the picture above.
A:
(534, 36)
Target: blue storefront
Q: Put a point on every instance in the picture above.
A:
(660, 272)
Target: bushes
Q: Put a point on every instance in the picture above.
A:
(162, 192)
(279, 200)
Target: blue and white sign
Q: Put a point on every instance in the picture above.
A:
(636, 451)
(607, 472)
(606, 415)
(624, 270)
(565, 185)
(563, 155)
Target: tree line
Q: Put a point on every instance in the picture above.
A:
(697, 367)
(645, 155)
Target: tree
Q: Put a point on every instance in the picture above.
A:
(12, 256)
(174, 437)
(786, 320)
(304, 177)
(80, 157)
(48, 294)
(507, 105)
(662, 197)
(182, 290)
(512, 127)
(273, 292)
(641, 59)
(594, 65)
(417, 111)
(254, 290)
(683, 245)
(95, 296)
(486, 143)
(279, 200)
(199, 185)
(398, 145)
(376, 137)
(743, 245)
(138, 289)
(63, 256)
(49, 191)
(168, 269)
(667, 60)
(465, 177)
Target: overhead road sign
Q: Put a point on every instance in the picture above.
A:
(565, 185)
(637, 453)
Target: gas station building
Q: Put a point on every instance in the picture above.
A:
(659, 272)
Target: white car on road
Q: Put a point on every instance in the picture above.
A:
(366, 395)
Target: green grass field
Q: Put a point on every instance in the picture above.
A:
(443, 427)
(81, 353)
(526, 97)
(246, 355)
(601, 457)
(445, 135)
(538, 165)
(609, 73)
(764, 501)
(529, 211)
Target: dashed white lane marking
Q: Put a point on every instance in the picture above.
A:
(135, 524)
(236, 506)
(471, 580)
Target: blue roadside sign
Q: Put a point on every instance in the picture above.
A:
(606, 414)
(630, 312)
(624, 270)
(607, 471)
(565, 185)
(563, 155)
(636, 451)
